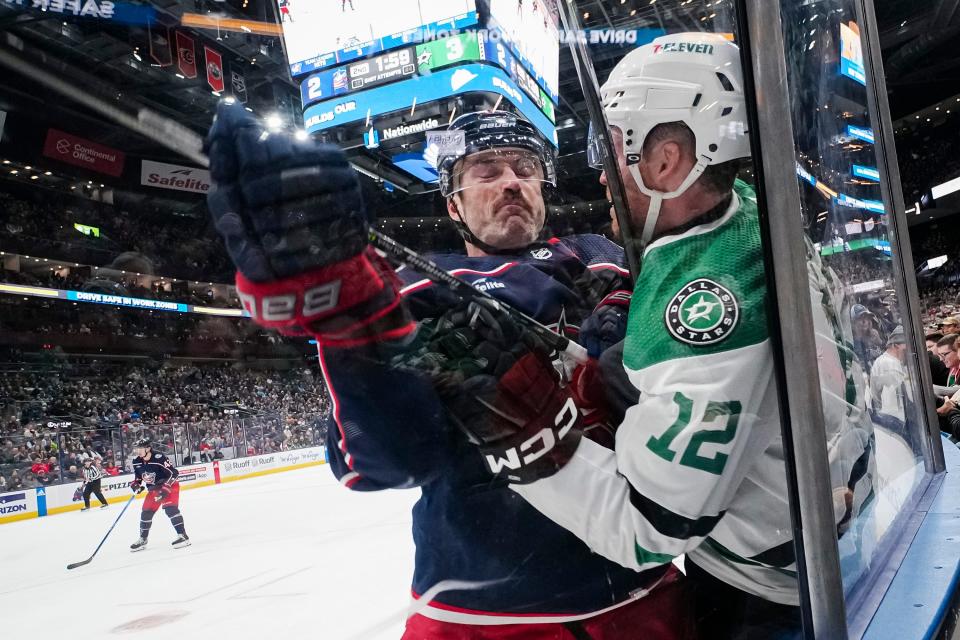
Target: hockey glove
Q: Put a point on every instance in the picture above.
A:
(294, 224)
(607, 325)
(136, 486)
(501, 388)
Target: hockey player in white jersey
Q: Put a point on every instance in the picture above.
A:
(698, 467)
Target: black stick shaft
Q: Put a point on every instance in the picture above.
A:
(433, 271)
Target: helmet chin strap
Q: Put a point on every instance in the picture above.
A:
(657, 197)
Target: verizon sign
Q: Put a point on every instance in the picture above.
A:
(174, 176)
(83, 153)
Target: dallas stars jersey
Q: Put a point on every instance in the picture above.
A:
(698, 466)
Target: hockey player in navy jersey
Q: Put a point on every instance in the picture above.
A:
(155, 473)
(395, 350)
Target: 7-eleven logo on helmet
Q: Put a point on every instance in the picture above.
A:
(684, 47)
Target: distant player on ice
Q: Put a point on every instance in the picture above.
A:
(153, 471)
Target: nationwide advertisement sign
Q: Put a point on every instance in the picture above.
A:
(441, 84)
(81, 152)
(174, 176)
(406, 129)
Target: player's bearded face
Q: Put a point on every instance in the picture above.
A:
(501, 197)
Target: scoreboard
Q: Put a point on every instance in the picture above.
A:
(382, 69)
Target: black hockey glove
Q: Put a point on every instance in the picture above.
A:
(607, 325)
(294, 223)
(501, 388)
(136, 486)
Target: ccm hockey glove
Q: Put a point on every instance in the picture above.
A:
(294, 224)
(502, 389)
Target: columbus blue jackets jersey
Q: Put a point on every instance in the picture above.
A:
(391, 432)
(155, 472)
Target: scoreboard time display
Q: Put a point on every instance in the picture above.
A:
(382, 69)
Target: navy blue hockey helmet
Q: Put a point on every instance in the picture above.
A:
(492, 130)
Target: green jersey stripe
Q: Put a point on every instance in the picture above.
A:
(648, 557)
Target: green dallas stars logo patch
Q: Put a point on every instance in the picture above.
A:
(703, 312)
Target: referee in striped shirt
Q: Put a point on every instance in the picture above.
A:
(91, 479)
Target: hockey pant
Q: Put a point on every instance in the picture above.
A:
(171, 507)
(663, 614)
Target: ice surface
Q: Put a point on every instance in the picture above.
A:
(286, 555)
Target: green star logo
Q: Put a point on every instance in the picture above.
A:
(703, 312)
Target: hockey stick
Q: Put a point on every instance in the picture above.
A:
(434, 272)
(88, 560)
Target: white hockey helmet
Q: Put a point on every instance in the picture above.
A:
(694, 78)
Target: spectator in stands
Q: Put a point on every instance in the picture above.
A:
(938, 370)
(15, 482)
(3, 483)
(39, 466)
(890, 386)
(951, 326)
(867, 343)
(947, 352)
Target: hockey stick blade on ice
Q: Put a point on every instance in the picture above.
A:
(90, 559)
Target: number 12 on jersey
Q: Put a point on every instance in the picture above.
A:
(716, 411)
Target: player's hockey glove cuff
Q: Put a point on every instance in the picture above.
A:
(294, 223)
(349, 303)
(502, 389)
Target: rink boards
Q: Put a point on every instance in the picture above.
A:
(47, 501)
